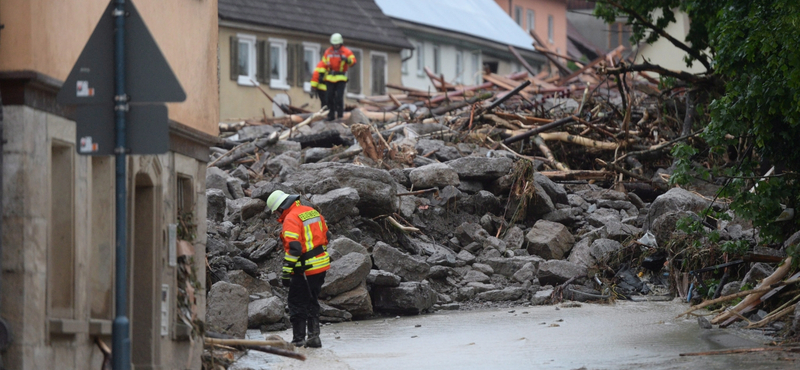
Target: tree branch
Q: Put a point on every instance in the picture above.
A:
(647, 67)
(680, 45)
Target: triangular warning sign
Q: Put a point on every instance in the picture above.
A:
(149, 78)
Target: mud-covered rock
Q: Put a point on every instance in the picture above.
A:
(227, 309)
(356, 301)
(433, 175)
(540, 204)
(216, 204)
(758, 272)
(527, 273)
(409, 268)
(481, 168)
(235, 187)
(556, 192)
(505, 294)
(581, 253)
(554, 272)
(509, 266)
(514, 238)
(475, 276)
(675, 200)
(408, 298)
(471, 232)
(246, 265)
(252, 207)
(601, 249)
(565, 216)
(264, 312)
(336, 204)
(376, 188)
(260, 252)
(346, 274)
(602, 216)
(664, 226)
(343, 246)
(383, 278)
(466, 257)
(282, 165)
(333, 314)
(549, 240)
(253, 285)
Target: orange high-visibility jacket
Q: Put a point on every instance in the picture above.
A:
(305, 239)
(337, 62)
(320, 70)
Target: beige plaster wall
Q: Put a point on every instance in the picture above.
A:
(48, 36)
(239, 102)
(26, 221)
(664, 53)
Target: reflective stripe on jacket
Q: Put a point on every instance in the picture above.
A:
(337, 62)
(305, 226)
(319, 74)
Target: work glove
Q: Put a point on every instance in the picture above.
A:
(313, 93)
(286, 273)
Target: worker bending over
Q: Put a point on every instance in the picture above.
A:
(305, 241)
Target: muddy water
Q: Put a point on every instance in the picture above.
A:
(625, 335)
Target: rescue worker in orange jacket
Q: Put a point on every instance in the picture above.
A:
(305, 241)
(337, 60)
(318, 85)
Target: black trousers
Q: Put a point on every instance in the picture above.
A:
(303, 296)
(336, 91)
(323, 98)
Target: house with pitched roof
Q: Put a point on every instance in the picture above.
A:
(274, 45)
(458, 39)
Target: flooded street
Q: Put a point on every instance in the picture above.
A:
(625, 335)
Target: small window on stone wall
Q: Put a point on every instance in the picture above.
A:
(61, 249)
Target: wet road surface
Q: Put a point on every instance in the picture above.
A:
(625, 335)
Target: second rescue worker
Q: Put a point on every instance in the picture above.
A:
(337, 60)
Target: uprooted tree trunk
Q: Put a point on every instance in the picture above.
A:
(363, 135)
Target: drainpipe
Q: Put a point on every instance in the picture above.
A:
(511, 9)
(5, 330)
(411, 55)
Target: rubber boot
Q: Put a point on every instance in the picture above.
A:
(313, 333)
(298, 333)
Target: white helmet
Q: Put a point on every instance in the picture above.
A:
(336, 39)
(276, 199)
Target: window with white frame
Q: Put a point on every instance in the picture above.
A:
(277, 64)
(246, 59)
(477, 74)
(380, 72)
(405, 54)
(531, 20)
(550, 29)
(355, 74)
(459, 66)
(518, 15)
(437, 59)
(420, 59)
(310, 60)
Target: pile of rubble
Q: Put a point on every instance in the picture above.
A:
(459, 199)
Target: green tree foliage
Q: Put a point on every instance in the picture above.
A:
(751, 48)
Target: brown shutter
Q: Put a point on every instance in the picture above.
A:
(262, 61)
(291, 71)
(234, 58)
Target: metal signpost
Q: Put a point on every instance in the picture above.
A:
(121, 77)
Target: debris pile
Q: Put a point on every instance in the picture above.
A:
(518, 190)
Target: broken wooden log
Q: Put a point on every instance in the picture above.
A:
(363, 135)
(548, 153)
(539, 129)
(508, 95)
(754, 297)
(325, 139)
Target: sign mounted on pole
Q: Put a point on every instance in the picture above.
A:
(149, 82)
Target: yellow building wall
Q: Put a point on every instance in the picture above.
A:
(239, 102)
(47, 36)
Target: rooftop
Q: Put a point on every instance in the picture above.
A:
(478, 18)
(360, 20)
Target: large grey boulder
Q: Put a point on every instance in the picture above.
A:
(250, 283)
(376, 188)
(549, 240)
(566, 216)
(664, 227)
(356, 301)
(527, 273)
(556, 192)
(433, 175)
(383, 278)
(556, 272)
(409, 268)
(336, 204)
(346, 274)
(470, 232)
(509, 266)
(582, 253)
(601, 249)
(234, 209)
(482, 202)
(481, 168)
(252, 208)
(408, 298)
(603, 216)
(505, 294)
(246, 265)
(541, 203)
(475, 276)
(218, 179)
(215, 204)
(675, 200)
(514, 238)
(227, 309)
(343, 246)
(282, 165)
(620, 232)
(332, 314)
(235, 187)
(264, 312)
